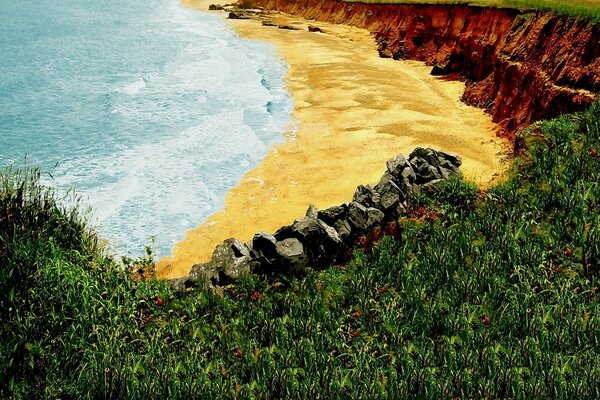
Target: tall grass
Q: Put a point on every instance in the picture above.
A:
(589, 9)
(487, 294)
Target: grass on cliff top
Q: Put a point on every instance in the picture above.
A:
(486, 295)
(589, 9)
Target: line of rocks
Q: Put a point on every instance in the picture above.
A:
(322, 237)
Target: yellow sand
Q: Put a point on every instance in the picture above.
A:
(355, 111)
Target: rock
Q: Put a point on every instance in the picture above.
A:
(333, 214)
(291, 253)
(343, 229)
(333, 238)
(306, 229)
(268, 23)
(401, 171)
(231, 258)
(374, 217)
(363, 218)
(389, 201)
(180, 284)
(263, 244)
(366, 196)
(431, 165)
(357, 216)
(215, 7)
(233, 15)
(312, 28)
(283, 233)
(312, 212)
(321, 241)
(387, 184)
(288, 27)
(203, 272)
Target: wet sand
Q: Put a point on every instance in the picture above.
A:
(354, 111)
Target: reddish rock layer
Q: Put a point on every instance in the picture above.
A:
(520, 67)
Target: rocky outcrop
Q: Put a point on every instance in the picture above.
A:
(521, 67)
(323, 237)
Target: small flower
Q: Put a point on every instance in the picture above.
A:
(486, 320)
(557, 270)
(356, 315)
(383, 289)
(568, 252)
(148, 319)
(159, 302)
(238, 353)
(255, 295)
(593, 152)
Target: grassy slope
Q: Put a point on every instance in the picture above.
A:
(579, 8)
(492, 294)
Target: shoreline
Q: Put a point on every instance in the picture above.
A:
(355, 110)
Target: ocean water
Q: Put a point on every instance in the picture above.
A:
(150, 111)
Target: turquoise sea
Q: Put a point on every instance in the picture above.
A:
(148, 110)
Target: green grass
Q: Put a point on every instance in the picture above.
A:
(589, 9)
(491, 294)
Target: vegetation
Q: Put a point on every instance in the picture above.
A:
(487, 294)
(589, 9)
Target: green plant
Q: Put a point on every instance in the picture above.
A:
(494, 295)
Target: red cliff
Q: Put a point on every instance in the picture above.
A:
(521, 67)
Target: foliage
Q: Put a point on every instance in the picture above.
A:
(494, 294)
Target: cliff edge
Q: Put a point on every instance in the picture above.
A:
(520, 66)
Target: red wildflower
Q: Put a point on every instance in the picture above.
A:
(159, 302)
(238, 353)
(568, 252)
(391, 229)
(255, 295)
(356, 315)
(375, 234)
(360, 242)
(486, 320)
(593, 153)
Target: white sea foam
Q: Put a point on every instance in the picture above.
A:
(134, 87)
(175, 133)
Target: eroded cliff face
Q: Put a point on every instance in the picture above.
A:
(521, 67)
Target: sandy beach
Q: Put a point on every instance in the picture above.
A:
(353, 110)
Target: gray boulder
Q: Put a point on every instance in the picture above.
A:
(431, 165)
(374, 217)
(362, 218)
(312, 212)
(321, 241)
(366, 196)
(203, 273)
(402, 172)
(343, 229)
(181, 284)
(331, 215)
(357, 216)
(389, 202)
(231, 258)
(292, 255)
(264, 243)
